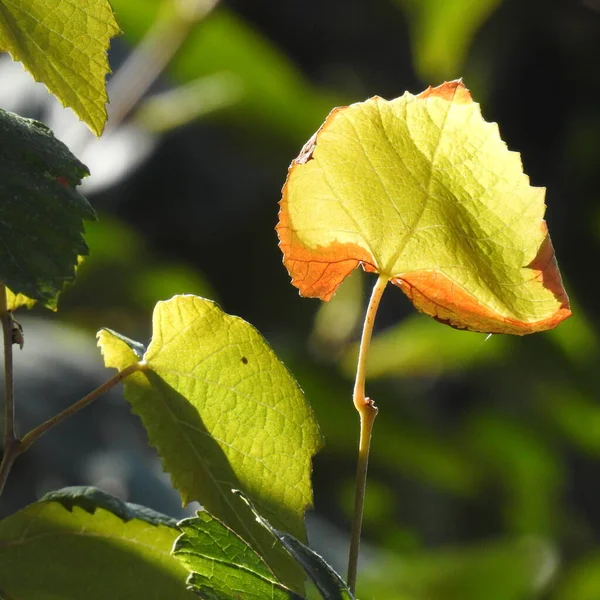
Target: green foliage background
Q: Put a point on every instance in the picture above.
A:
(485, 453)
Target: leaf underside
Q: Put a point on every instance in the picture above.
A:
(424, 191)
(63, 44)
(224, 412)
(41, 214)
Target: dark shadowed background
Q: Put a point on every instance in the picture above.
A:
(485, 469)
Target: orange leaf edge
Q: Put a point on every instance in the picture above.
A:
(436, 295)
(453, 91)
(324, 267)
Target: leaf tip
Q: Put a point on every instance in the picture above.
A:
(453, 91)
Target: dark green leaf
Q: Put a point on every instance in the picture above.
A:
(91, 498)
(41, 214)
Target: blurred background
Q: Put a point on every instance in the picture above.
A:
(485, 469)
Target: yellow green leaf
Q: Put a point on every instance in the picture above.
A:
(224, 413)
(14, 301)
(423, 190)
(63, 44)
(83, 543)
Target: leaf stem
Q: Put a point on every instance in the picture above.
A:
(17, 447)
(11, 444)
(40, 430)
(367, 412)
(9, 401)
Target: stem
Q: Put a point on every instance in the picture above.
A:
(16, 447)
(11, 444)
(8, 458)
(9, 401)
(40, 430)
(367, 412)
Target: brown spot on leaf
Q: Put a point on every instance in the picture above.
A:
(244, 360)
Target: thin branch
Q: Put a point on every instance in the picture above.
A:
(16, 447)
(9, 401)
(40, 430)
(367, 412)
(8, 458)
(12, 447)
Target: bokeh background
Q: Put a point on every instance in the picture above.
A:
(485, 471)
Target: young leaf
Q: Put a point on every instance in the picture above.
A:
(422, 190)
(224, 413)
(82, 543)
(41, 226)
(63, 44)
(328, 582)
(222, 565)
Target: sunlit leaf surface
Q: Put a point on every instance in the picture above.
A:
(220, 562)
(224, 413)
(422, 190)
(82, 543)
(63, 44)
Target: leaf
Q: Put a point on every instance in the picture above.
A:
(82, 543)
(328, 582)
(441, 32)
(14, 301)
(224, 413)
(63, 44)
(422, 190)
(222, 565)
(41, 224)
(90, 498)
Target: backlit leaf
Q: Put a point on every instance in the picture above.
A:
(224, 413)
(82, 543)
(63, 44)
(220, 562)
(422, 190)
(14, 301)
(41, 213)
